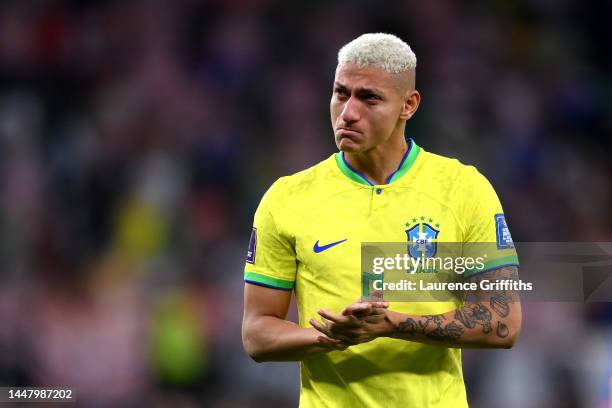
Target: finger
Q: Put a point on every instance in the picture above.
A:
(327, 322)
(329, 332)
(336, 318)
(375, 308)
(356, 309)
(332, 343)
(379, 311)
(348, 323)
(373, 318)
(374, 303)
(344, 332)
(343, 335)
(319, 326)
(343, 339)
(359, 311)
(328, 340)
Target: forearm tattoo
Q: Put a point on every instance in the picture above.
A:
(432, 327)
(470, 316)
(502, 330)
(499, 304)
(475, 315)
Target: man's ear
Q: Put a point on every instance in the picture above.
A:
(412, 99)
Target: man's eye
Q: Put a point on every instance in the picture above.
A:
(340, 92)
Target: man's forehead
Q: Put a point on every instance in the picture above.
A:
(368, 77)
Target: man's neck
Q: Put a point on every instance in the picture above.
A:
(378, 164)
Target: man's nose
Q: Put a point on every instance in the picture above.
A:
(350, 112)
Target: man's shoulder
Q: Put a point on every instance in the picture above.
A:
(453, 182)
(303, 182)
(296, 189)
(448, 171)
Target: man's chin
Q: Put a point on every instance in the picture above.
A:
(349, 146)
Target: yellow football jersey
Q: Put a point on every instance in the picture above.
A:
(307, 237)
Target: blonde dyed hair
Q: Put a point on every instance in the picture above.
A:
(384, 51)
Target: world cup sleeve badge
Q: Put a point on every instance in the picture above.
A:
(502, 233)
(252, 247)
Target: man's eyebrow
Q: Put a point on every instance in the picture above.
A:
(361, 90)
(339, 85)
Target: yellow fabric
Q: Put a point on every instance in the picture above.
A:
(323, 204)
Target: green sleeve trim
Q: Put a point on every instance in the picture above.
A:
(268, 281)
(511, 260)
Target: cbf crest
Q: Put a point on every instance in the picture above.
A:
(422, 237)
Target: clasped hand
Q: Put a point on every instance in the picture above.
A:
(358, 323)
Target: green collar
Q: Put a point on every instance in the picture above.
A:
(404, 166)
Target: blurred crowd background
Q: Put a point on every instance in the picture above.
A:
(137, 137)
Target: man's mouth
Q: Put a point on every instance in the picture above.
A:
(345, 132)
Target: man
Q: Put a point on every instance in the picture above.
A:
(307, 237)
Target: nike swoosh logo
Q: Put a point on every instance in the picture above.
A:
(318, 248)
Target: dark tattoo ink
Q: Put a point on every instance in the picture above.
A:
(436, 319)
(499, 303)
(464, 319)
(482, 316)
(431, 326)
(475, 314)
(502, 330)
(453, 331)
(408, 326)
